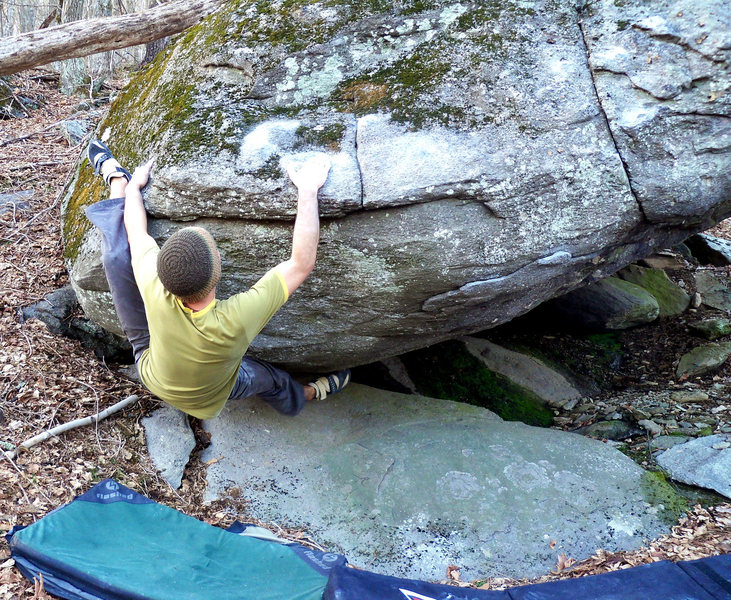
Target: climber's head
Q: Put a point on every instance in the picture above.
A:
(189, 264)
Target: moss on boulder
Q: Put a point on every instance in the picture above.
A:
(449, 371)
(672, 300)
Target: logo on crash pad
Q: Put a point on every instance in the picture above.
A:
(414, 595)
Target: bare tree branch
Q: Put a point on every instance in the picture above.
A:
(42, 437)
(50, 18)
(82, 38)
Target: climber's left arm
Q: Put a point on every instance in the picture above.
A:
(135, 216)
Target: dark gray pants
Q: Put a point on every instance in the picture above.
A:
(256, 378)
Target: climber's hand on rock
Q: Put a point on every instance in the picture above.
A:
(311, 174)
(142, 174)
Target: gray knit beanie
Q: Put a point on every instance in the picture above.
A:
(189, 265)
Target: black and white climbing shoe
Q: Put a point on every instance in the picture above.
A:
(330, 384)
(104, 163)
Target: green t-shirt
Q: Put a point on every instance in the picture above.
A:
(194, 356)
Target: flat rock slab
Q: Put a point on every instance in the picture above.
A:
(407, 485)
(524, 370)
(170, 441)
(703, 359)
(714, 289)
(705, 462)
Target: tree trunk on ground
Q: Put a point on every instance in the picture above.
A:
(83, 38)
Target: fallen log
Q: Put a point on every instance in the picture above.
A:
(83, 38)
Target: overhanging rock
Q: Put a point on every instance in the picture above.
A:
(487, 156)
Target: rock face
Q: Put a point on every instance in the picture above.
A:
(705, 462)
(407, 485)
(487, 156)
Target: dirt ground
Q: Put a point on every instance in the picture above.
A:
(46, 380)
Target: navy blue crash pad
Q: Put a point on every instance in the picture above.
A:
(112, 543)
(704, 579)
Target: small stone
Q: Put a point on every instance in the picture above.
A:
(15, 202)
(639, 414)
(561, 421)
(571, 404)
(130, 372)
(699, 463)
(650, 426)
(663, 442)
(711, 329)
(686, 397)
(721, 445)
(170, 441)
(661, 261)
(611, 430)
(74, 131)
(582, 418)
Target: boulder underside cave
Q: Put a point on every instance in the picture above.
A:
(487, 156)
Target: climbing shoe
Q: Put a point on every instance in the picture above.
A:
(330, 384)
(104, 163)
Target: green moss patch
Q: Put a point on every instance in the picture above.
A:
(88, 189)
(608, 347)
(450, 372)
(398, 88)
(661, 494)
(328, 136)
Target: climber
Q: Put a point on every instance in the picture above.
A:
(189, 347)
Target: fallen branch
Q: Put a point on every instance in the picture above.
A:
(83, 38)
(30, 135)
(100, 416)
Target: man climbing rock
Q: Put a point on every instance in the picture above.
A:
(189, 347)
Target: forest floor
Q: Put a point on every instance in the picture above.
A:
(46, 380)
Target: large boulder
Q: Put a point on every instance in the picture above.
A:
(487, 156)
